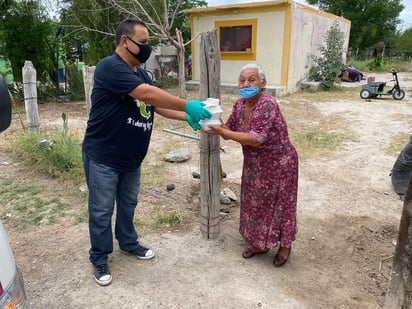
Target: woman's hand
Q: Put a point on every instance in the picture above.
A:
(213, 130)
(221, 130)
(243, 138)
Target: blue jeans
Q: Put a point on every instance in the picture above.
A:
(106, 186)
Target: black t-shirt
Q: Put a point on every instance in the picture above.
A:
(119, 126)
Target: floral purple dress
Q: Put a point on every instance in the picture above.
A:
(269, 184)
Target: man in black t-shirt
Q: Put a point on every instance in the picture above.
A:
(116, 141)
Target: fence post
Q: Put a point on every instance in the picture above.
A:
(30, 97)
(209, 145)
(88, 72)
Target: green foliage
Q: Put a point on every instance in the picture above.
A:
(385, 66)
(328, 65)
(55, 154)
(372, 21)
(27, 33)
(403, 44)
(90, 25)
(376, 63)
(182, 20)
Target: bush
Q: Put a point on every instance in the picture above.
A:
(328, 65)
(55, 154)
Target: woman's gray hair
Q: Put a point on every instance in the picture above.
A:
(261, 73)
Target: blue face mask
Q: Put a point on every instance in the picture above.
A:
(248, 92)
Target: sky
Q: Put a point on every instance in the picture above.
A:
(405, 16)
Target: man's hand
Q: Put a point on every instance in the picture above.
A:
(196, 110)
(195, 125)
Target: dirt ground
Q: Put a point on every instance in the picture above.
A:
(348, 217)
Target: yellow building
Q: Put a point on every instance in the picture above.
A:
(281, 36)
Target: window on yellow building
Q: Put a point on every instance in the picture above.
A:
(237, 39)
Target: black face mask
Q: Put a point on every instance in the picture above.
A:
(144, 53)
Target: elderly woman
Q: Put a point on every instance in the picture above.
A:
(270, 168)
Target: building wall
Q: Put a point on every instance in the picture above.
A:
(287, 35)
(309, 26)
(269, 44)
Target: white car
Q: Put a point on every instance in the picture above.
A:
(12, 292)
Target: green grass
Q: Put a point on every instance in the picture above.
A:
(53, 154)
(30, 200)
(317, 143)
(171, 218)
(312, 133)
(385, 66)
(357, 297)
(27, 204)
(151, 217)
(318, 139)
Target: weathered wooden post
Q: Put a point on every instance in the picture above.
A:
(30, 97)
(88, 72)
(209, 144)
(399, 294)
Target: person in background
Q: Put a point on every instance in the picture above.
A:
(188, 64)
(117, 139)
(269, 183)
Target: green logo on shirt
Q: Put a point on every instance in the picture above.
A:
(142, 107)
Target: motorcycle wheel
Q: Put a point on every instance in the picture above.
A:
(398, 94)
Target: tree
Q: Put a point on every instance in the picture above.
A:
(164, 19)
(96, 20)
(372, 21)
(403, 44)
(328, 65)
(89, 28)
(27, 33)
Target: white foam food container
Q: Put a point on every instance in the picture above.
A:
(213, 106)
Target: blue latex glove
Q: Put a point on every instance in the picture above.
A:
(195, 125)
(196, 110)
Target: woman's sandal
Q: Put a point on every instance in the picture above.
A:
(279, 260)
(250, 252)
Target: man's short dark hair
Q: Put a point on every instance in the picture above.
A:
(126, 27)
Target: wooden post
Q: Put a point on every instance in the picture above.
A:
(88, 72)
(209, 144)
(30, 97)
(399, 294)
